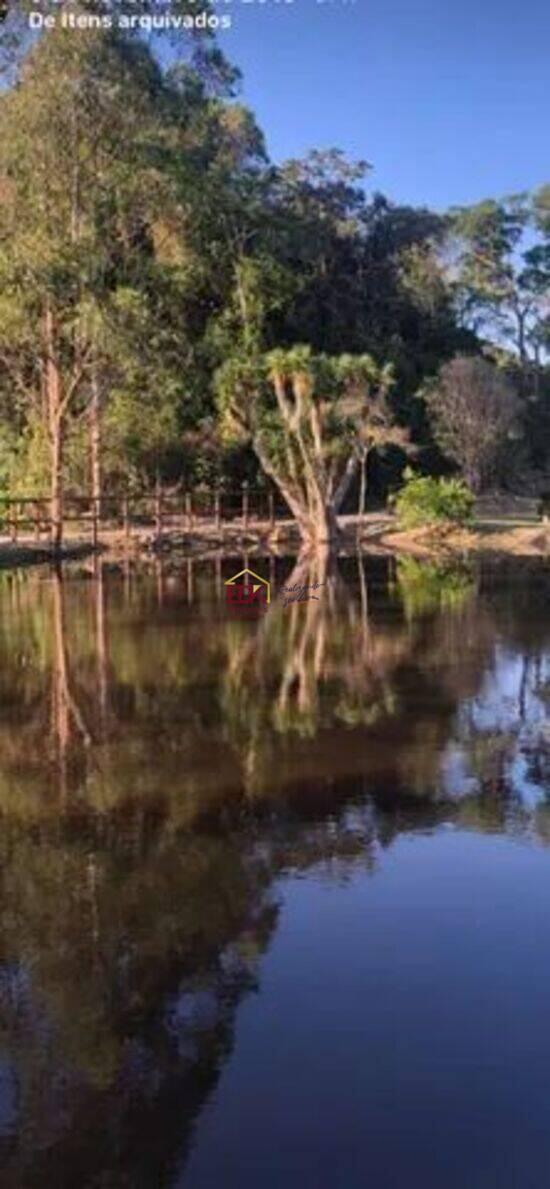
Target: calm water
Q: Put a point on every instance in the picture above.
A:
(275, 891)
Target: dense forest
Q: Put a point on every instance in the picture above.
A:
(174, 306)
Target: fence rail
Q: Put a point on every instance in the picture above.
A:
(129, 511)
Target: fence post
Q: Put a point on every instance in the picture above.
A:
(158, 510)
(94, 521)
(245, 504)
(217, 508)
(13, 523)
(188, 509)
(126, 520)
(271, 505)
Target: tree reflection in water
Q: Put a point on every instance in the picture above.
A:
(162, 764)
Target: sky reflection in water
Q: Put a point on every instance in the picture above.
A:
(275, 891)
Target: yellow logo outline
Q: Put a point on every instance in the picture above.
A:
(258, 577)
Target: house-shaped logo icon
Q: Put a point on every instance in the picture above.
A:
(247, 589)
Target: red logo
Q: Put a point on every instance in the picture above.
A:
(247, 589)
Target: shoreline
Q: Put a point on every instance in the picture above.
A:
(373, 534)
(483, 539)
(24, 554)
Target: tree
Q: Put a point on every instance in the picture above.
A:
(498, 285)
(538, 272)
(105, 292)
(310, 419)
(375, 427)
(474, 409)
(361, 275)
(68, 197)
(501, 278)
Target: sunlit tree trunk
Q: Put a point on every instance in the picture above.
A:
(95, 444)
(55, 428)
(56, 488)
(313, 507)
(362, 482)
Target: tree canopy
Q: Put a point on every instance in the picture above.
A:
(151, 256)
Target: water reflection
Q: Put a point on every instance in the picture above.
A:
(165, 766)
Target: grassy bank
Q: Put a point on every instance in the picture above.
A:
(490, 537)
(375, 533)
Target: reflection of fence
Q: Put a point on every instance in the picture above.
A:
(160, 510)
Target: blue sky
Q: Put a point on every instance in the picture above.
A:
(450, 102)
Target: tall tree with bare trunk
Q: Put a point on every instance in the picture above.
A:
(312, 420)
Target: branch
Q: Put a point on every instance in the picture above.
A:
(292, 494)
(73, 385)
(345, 482)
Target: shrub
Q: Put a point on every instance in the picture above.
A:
(426, 501)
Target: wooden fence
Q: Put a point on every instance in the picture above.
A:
(129, 511)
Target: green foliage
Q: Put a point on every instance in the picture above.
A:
(28, 472)
(503, 272)
(424, 500)
(104, 224)
(183, 270)
(9, 445)
(430, 587)
(310, 418)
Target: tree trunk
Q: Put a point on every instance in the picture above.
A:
(95, 446)
(362, 484)
(473, 477)
(314, 512)
(56, 432)
(521, 338)
(317, 521)
(56, 486)
(321, 526)
(344, 485)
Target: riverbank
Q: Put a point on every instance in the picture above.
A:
(13, 556)
(374, 533)
(484, 537)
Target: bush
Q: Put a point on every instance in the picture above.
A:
(425, 501)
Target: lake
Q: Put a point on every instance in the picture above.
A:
(275, 882)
